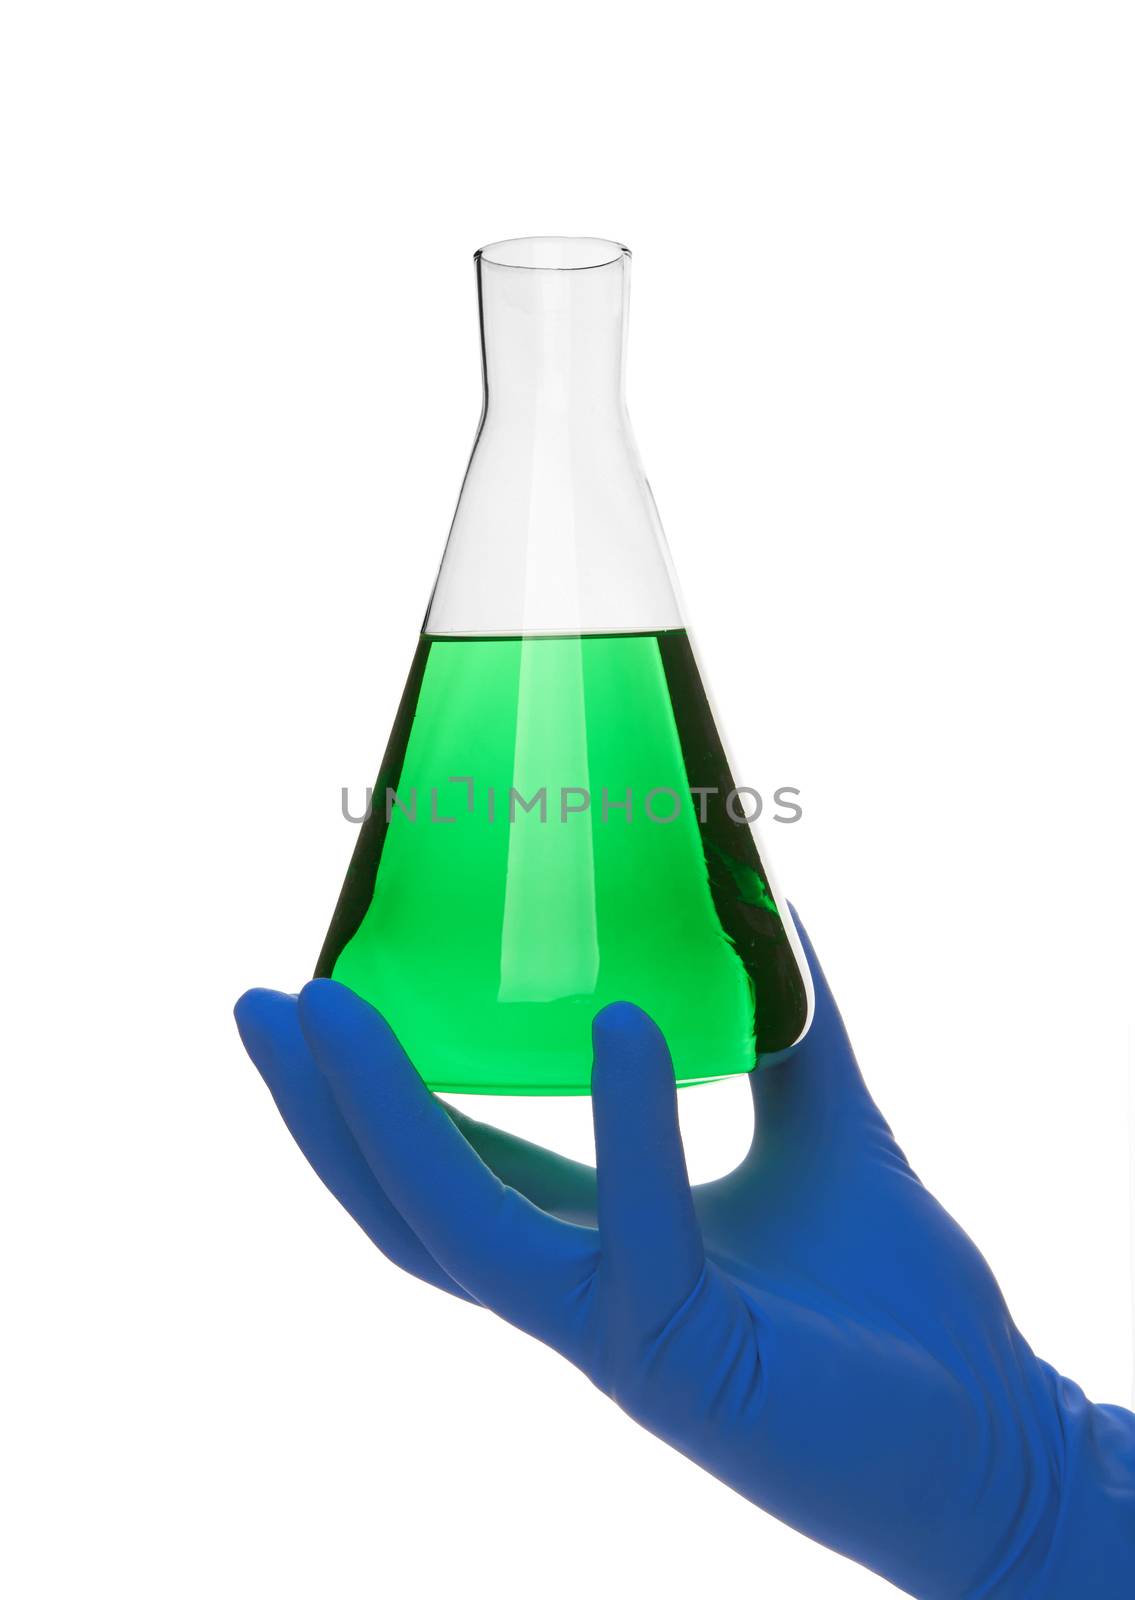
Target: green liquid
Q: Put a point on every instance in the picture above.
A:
(490, 941)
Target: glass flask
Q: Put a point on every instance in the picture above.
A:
(555, 824)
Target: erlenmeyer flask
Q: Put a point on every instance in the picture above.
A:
(555, 824)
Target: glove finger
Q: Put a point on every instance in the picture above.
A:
(551, 1181)
(505, 1252)
(815, 1088)
(269, 1028)
(651, 1246)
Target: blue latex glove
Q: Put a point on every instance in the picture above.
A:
(813, 1329)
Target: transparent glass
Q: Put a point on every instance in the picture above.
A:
(555, 824)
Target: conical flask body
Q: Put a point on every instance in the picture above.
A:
(555, 825)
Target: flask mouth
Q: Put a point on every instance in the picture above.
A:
(550, 254)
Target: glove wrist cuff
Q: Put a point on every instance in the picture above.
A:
(1092, 1555)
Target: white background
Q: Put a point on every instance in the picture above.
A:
(881, 358)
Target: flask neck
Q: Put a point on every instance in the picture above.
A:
(553, 326)
(555, 529)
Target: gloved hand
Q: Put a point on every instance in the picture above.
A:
(813, 1328)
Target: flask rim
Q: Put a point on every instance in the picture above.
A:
(552, 253)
